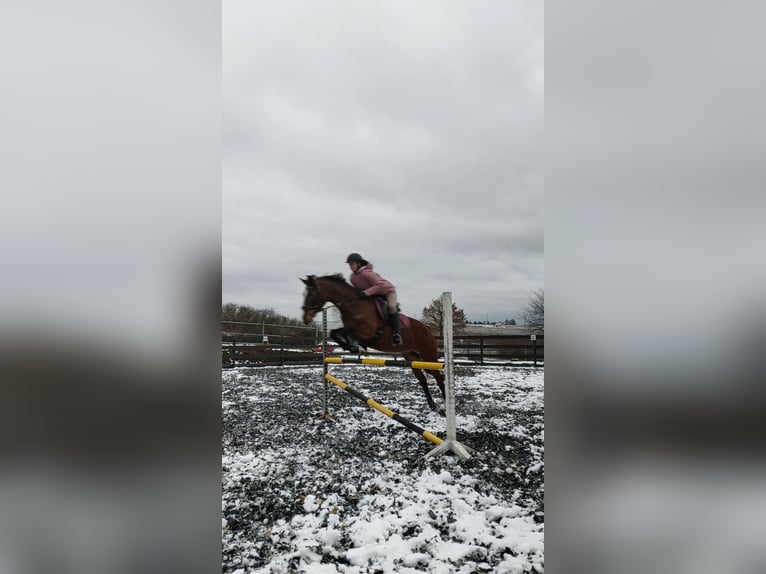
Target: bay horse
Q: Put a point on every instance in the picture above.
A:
(363, 325)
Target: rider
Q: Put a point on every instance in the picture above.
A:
(371, 283)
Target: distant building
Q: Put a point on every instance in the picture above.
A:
(496, 329)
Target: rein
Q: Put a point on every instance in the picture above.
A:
(341, 305)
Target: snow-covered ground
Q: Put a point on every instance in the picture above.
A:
(356, 495)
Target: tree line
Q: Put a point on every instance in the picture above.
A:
(232, 314)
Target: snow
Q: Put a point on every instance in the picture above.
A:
(356, 495)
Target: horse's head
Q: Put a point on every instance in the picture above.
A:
(312, 299)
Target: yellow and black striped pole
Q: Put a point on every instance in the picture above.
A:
(385, 410)
(387, 363)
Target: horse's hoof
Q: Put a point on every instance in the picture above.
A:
(436, 409)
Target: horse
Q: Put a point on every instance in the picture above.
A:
(363, 325)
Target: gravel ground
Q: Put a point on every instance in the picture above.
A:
(357, 496)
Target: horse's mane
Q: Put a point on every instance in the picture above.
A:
(336, 278)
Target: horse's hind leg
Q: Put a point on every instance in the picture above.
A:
(424, 385)
(438, 376)
(421, 377)
(429, 352)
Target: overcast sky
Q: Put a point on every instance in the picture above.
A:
(410, 132)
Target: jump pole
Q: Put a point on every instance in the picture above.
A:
(325, 414)
(451, 444)
(386, 363)
(385, 410)
(324, 357)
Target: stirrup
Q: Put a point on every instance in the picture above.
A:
(397, 339)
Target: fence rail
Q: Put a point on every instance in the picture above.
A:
(492, 348)
(243, 349)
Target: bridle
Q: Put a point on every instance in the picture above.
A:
(314, 308)
(318, 308)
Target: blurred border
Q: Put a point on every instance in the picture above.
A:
(655, 287)
(109, 327)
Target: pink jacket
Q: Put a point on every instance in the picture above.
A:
(371, 282)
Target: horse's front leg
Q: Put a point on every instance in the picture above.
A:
(341, 336)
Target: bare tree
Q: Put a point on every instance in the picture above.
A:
(533, 313)
(433, 317)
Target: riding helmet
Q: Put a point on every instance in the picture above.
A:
(354, 257)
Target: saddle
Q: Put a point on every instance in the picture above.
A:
(381, 304)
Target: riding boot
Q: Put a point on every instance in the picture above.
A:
(397, 338)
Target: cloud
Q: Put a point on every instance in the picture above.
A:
(411, 133)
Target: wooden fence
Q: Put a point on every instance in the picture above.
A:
(491, 349)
